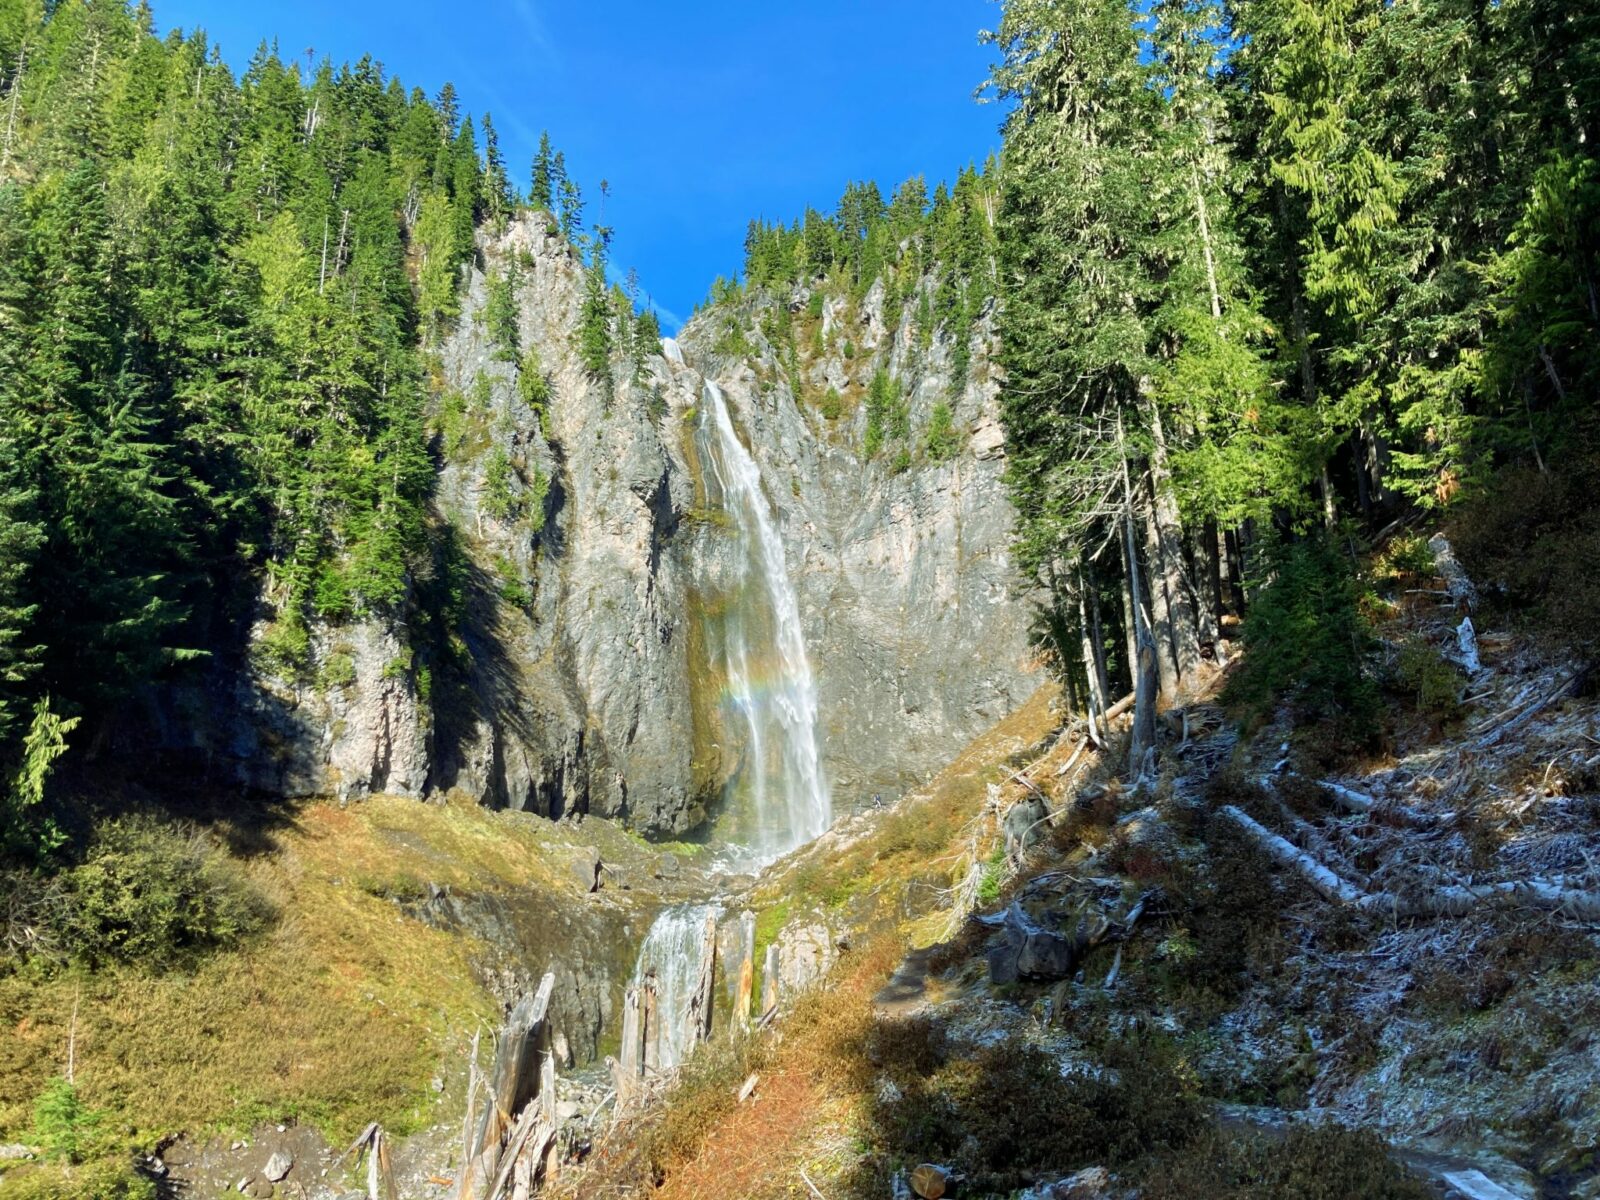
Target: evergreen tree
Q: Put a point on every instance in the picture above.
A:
(542, 194)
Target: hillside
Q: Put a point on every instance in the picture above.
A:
(1070, 682)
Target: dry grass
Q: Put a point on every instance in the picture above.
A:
(339, 1015)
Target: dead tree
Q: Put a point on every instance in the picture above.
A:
(513, 1107)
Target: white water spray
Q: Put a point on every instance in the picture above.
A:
(670, 963)
(769, 682)
(770, 691)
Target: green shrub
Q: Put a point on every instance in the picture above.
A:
(339, 671)
(452, 422)
(1531, 542)
(156, 896)
(62, 1125)
(1307, 642)
(109, 1179)
(887, 414)
(532, 385)
(1433, 684)
(943, 441)
(285, 644)
(1311, 1163)
(26, 831)
(1007, 1114)
(832, 406)
(993, 872)
(499, 501)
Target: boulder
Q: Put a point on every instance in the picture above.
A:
(278, 1166)
(1092, 1183)
(586, 869)
(1024, 826)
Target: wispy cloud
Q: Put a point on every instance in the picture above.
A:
(533, 24)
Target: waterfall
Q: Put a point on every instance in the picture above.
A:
(781, 800)
(770, 689)
(672, 963)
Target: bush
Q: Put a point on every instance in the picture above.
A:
(943, 441)
(156, 896)
(1531, 541)
(1433, 684)
(63, 1126)
(107, 1180)
(27, 831)
(1322, 1163)
(1007, 1113)
(1307, 642)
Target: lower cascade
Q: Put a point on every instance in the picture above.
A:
(778, 798)
(672, 986)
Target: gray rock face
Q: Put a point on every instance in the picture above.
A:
(590, 563)
(574, 690)
(917, 632)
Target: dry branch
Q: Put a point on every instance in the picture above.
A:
(1527, 714)
(1451, 900)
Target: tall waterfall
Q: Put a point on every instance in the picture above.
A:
(770, 689)
(781, 801)
(671, 963)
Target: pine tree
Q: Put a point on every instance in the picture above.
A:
(542, 194)
(496, 184)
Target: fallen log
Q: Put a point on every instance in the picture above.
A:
(1323, 881)
(1359, 802)
(1527, 714)
(1450, 900)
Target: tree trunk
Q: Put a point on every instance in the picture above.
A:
(1101, 675)
(1129, 624)
(1181, 606)
(1091, 669)
(1205, 240)
(1162, 627)
(1216, 597)
(1235, 547)
(1144, 663)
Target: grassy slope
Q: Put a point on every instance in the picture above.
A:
(340, 1015)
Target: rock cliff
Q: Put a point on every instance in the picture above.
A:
(579, 554)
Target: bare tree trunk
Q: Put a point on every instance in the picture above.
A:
(1101, 675)
(1129, 623)
(1144, 662)
(515, 1083)
(1091, 669)
(1205, 240)
(1181, 606)
(699, 1015)
(1163, 632)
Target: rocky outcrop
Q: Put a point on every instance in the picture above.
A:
(914, 622)
(576, 637)
(588, 564)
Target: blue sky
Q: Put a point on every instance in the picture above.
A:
(701, 116)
